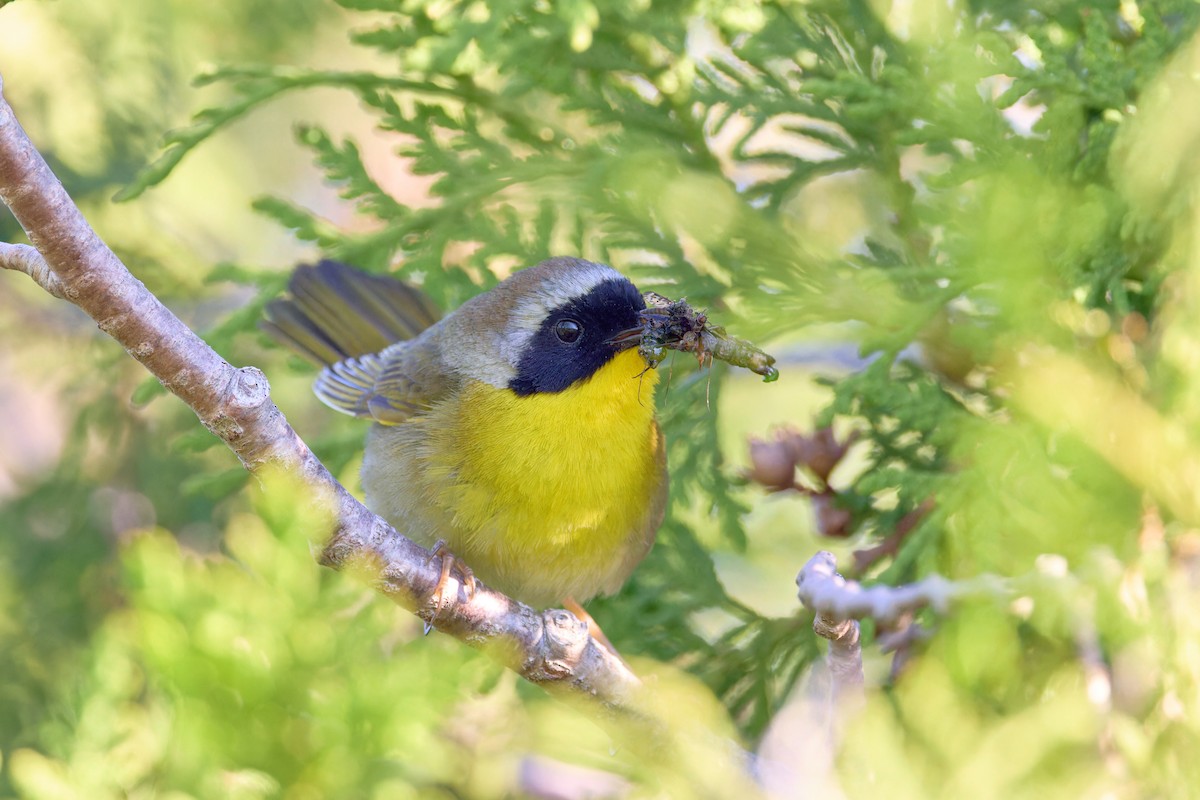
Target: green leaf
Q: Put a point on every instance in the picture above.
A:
(146, 391)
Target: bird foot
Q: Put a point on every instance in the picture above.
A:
(448, 564)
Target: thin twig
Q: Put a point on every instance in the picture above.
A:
(900, 641)
(824, 591)
(838, 602)
(867, 557)
(845, 653)
(23, 258)
(551, 647)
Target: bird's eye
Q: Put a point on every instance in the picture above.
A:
(568, 330)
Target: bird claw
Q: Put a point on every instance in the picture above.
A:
(448, 563)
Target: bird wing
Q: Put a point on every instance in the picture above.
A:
(334, 312)
(389, 386)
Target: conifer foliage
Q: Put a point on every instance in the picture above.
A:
(993, 200)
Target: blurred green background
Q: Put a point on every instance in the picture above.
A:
(967, 229)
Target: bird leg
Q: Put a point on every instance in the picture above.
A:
(448, 563)
(593, 627)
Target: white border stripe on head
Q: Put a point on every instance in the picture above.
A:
(572, 283)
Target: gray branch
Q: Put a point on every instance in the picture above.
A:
(23, 258)
(70, 261)
(845, 653)
(824, 591)
(839, 603)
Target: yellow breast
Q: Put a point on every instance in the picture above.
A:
(550, 493)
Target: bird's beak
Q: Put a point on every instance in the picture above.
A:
(627, 339)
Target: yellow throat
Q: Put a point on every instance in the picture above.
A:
(555, 484)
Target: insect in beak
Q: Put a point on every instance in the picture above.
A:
(674, 325)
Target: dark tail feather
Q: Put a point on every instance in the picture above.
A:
(337, 312)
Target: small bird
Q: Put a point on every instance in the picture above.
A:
(518, 431)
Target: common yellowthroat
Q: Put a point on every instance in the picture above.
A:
(518, 429)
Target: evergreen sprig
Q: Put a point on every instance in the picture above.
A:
(678, 142)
